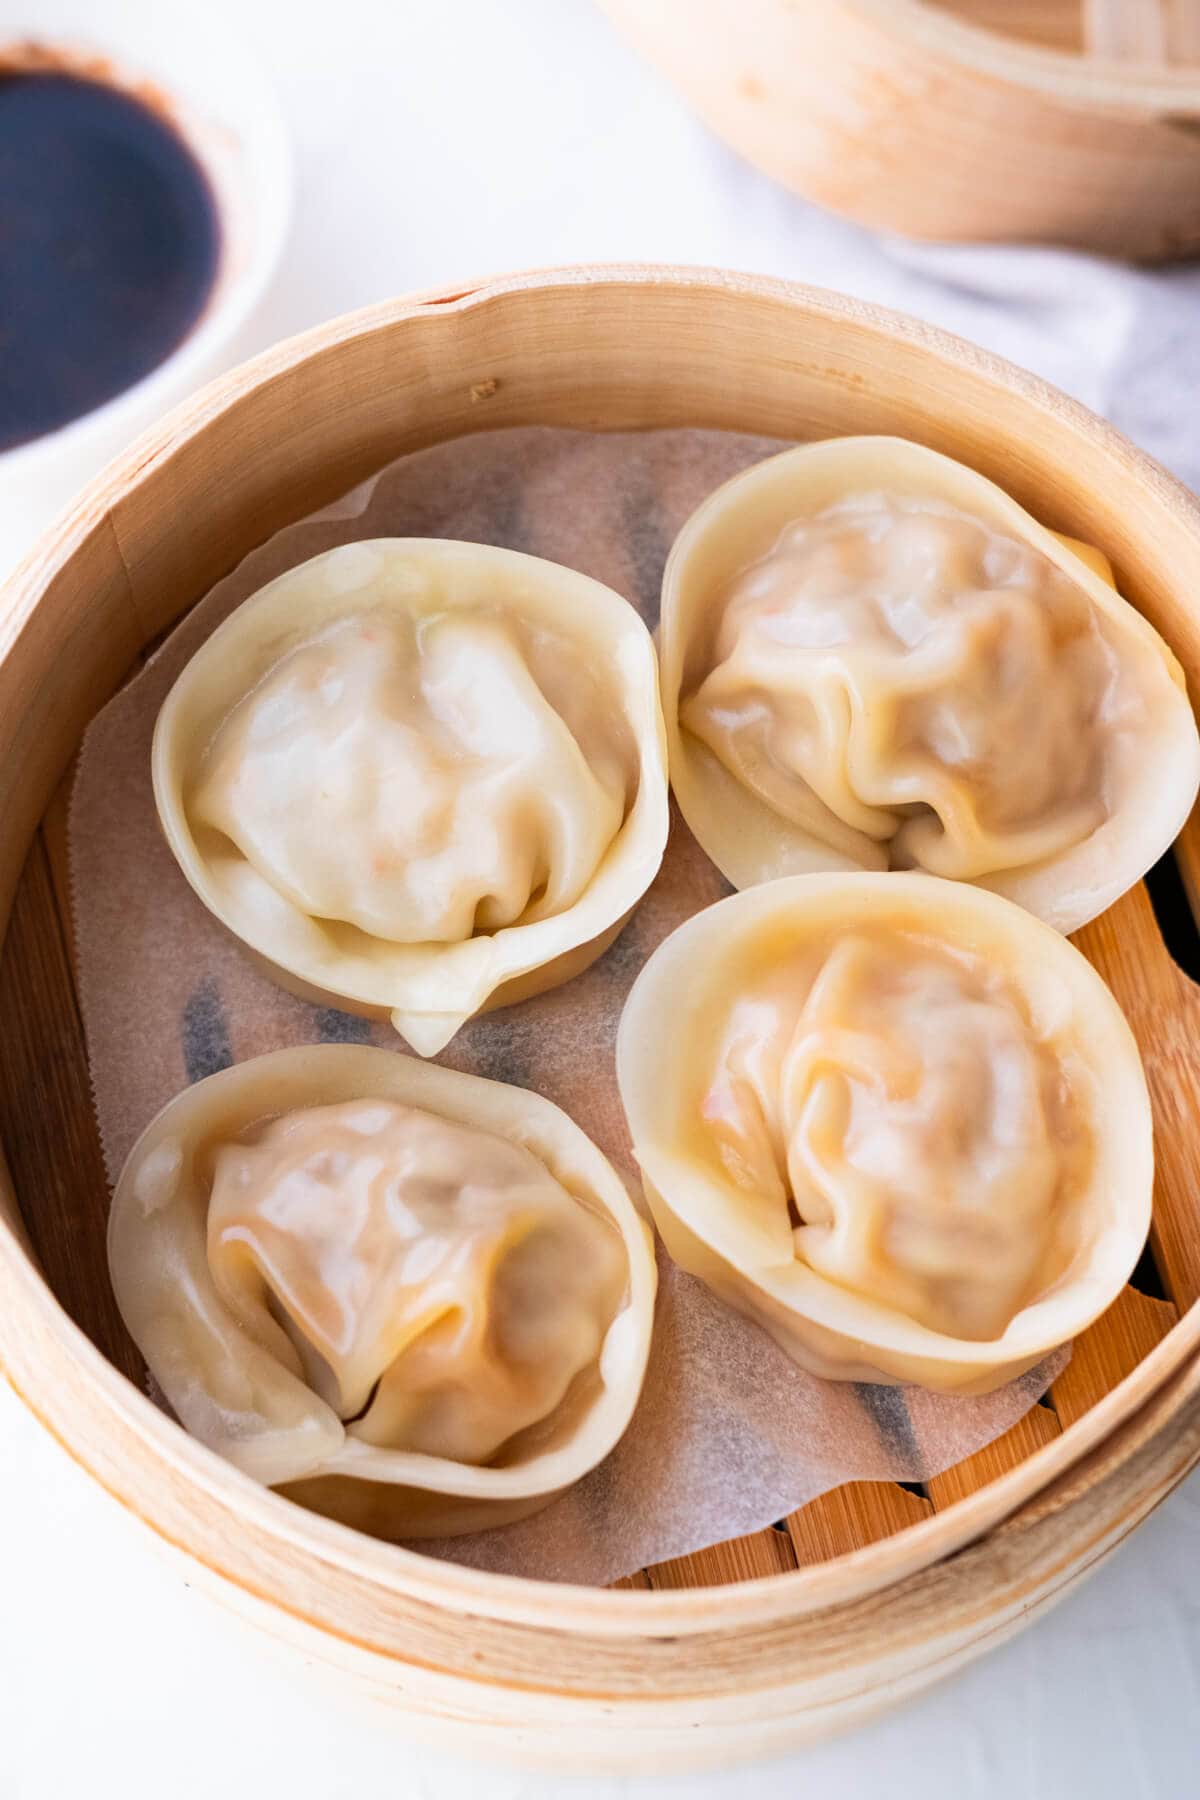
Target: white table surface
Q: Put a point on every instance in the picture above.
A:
(438, 140)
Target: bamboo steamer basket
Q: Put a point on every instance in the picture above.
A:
(1066, 121)
(861, 1597)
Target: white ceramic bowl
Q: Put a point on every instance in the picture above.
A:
(223, 104)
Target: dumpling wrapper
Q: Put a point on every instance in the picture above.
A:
(896, 1120)
(419, 778)
(416, 1300)
(872, 657)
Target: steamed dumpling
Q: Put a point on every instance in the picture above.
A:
(414, 781)
(873, 658)
(897, 1120)
(981, 746)
(913, 1163)
(406, 1296)
(439, 1287)
(420, 777)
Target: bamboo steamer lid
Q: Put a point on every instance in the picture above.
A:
(1072, 122)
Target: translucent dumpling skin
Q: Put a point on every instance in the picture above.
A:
(441, 1289)
(895, 1119)
(415, 781)
(415, 1300)
(919, 1132)
(893, 668)
(873, 658)
(419, 778)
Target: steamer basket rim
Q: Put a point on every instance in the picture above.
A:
(321, 1542)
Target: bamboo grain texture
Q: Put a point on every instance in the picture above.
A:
(1154, 31)
(1115, 31)
(1054, 24)
(47, 1124)
(759, 1554)
(851, 1517)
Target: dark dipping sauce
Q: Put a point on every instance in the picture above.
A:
(109, 242)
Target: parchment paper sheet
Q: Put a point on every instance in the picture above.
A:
(730, 1435)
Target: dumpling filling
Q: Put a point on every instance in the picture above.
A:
(422, 779)
(914, 689)
(887, 1102)
(433, 1283)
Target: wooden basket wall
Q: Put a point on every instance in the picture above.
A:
(1065, 121)
(872, 1591)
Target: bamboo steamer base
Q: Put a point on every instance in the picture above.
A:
(865, 1595)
